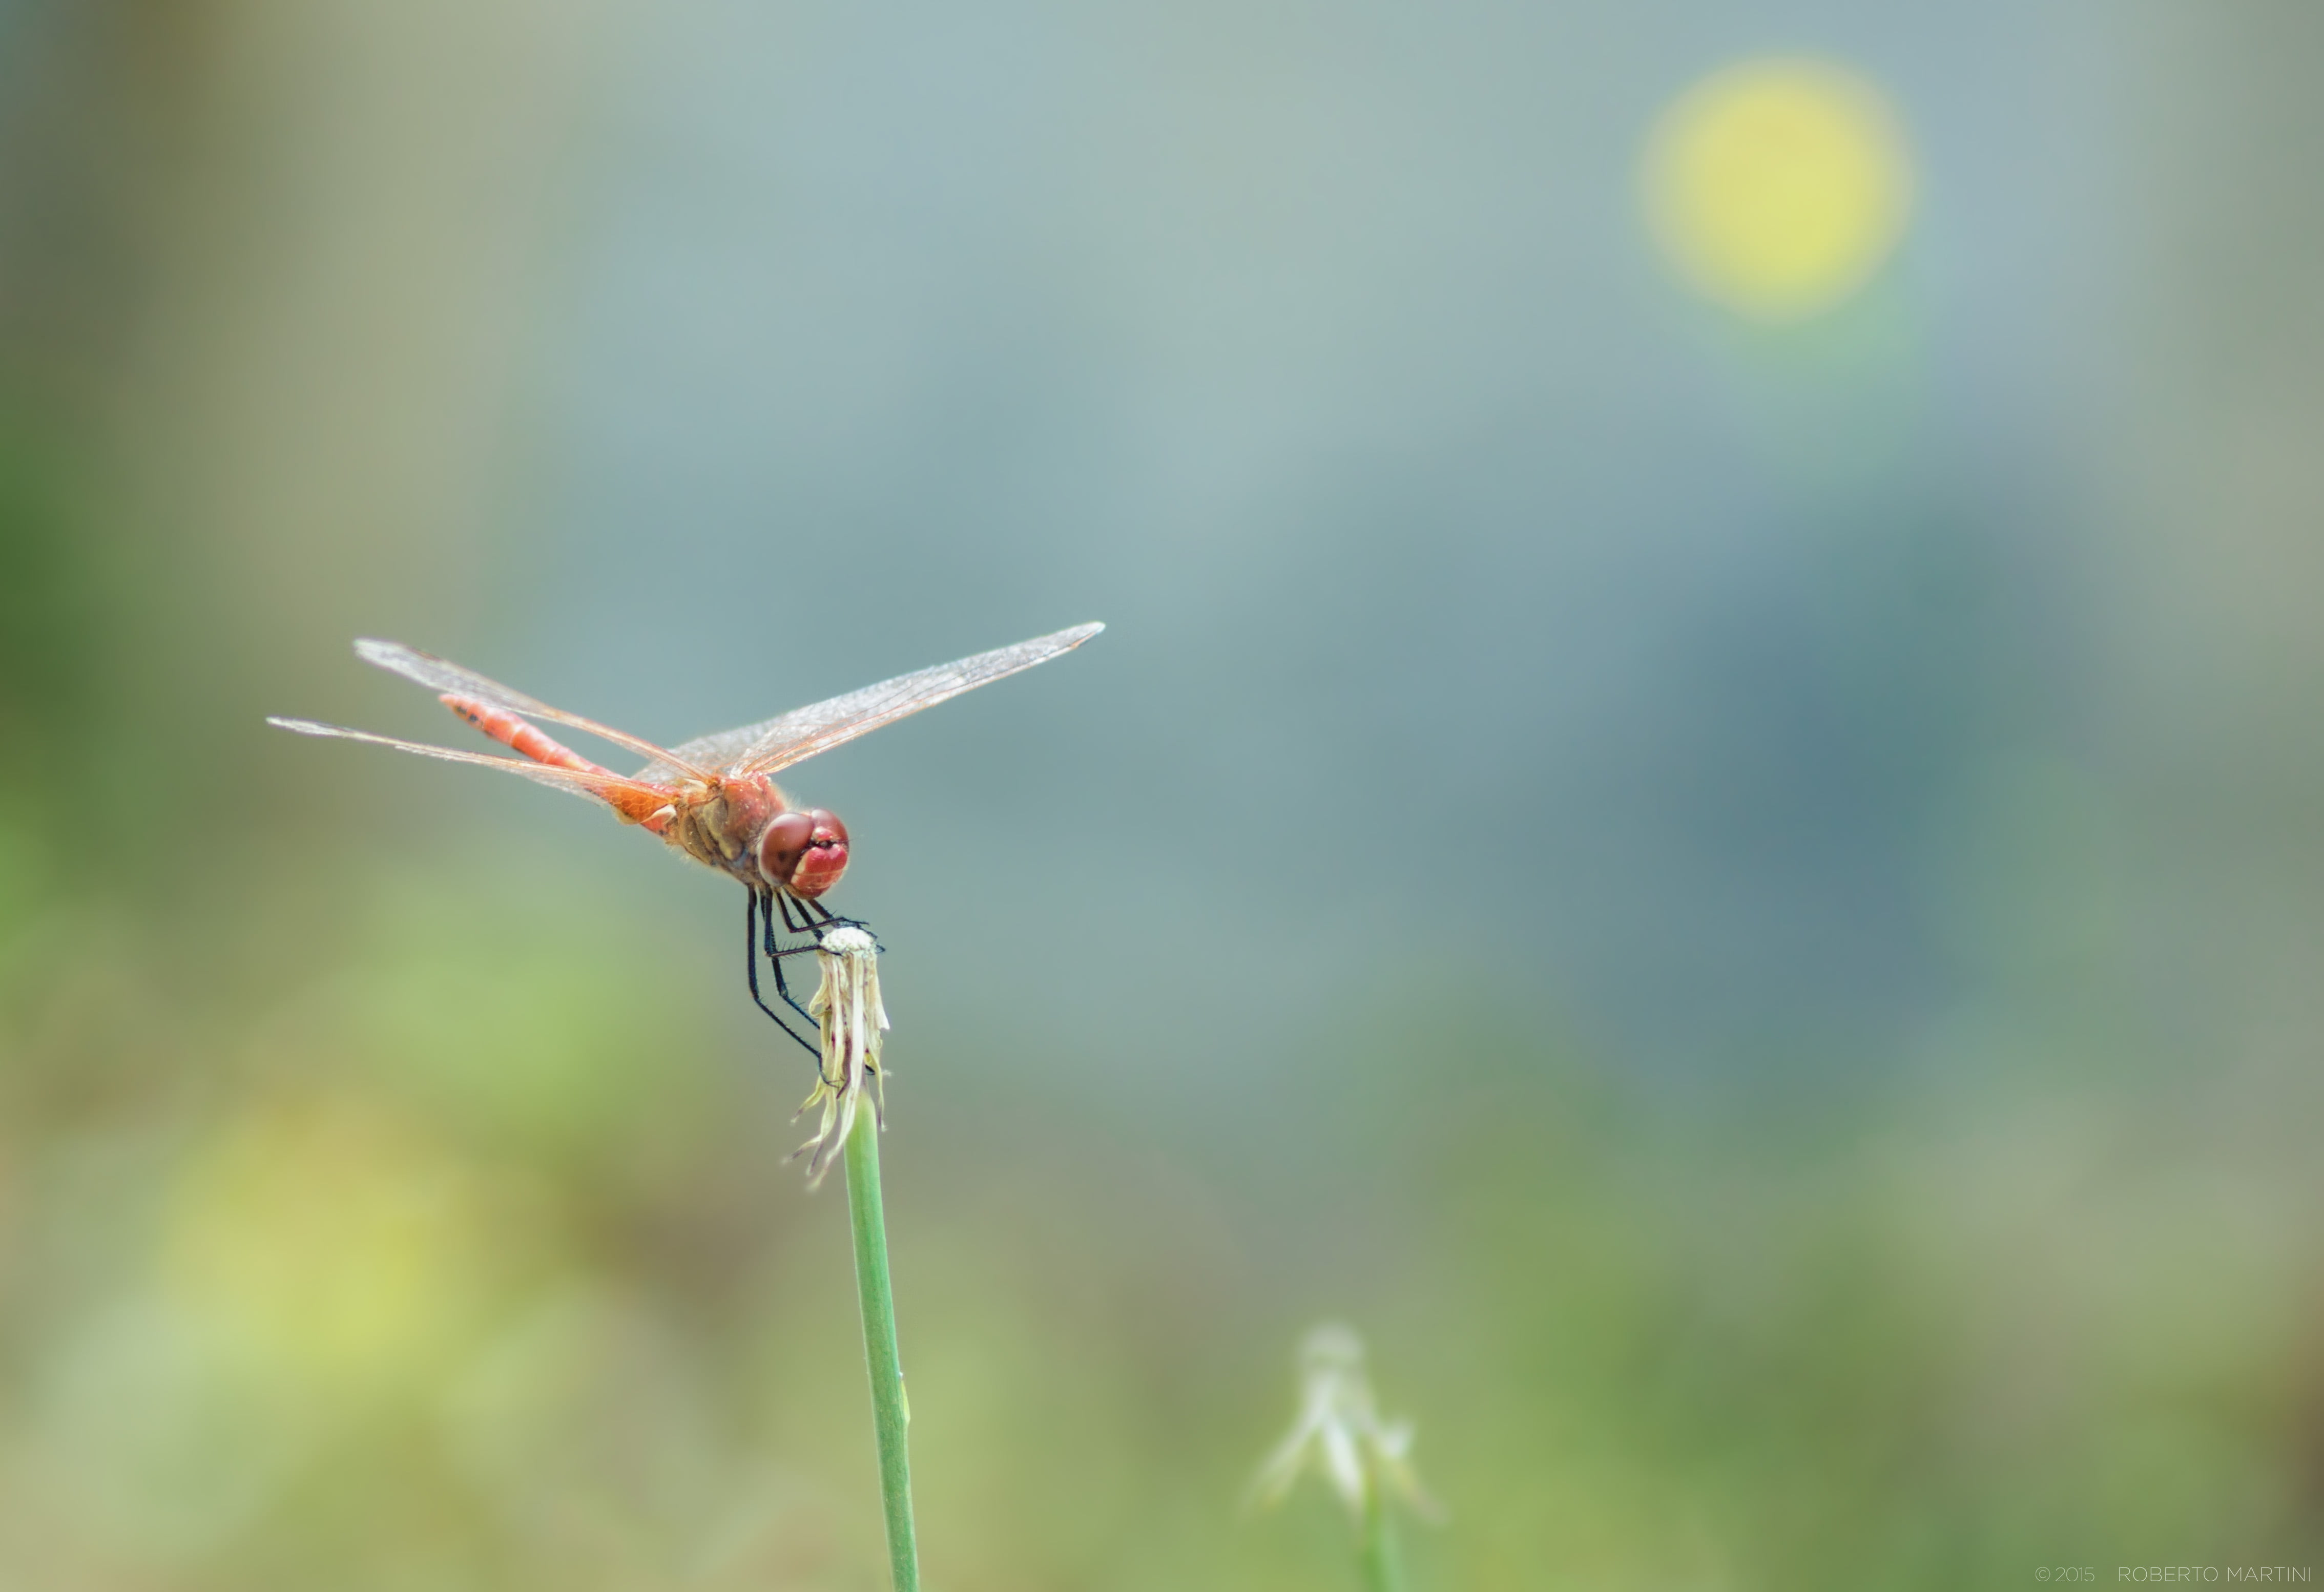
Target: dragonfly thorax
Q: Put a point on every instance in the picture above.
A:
(719, 822)
(744, 825)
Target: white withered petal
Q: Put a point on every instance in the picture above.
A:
(1339, 1432)
(846, 1004)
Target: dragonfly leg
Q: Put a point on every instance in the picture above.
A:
(817, 919)
(774, 954)
(814, 916)
(751, 948)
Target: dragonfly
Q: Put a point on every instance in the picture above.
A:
(714, 798)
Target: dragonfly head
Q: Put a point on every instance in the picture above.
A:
(803, 852)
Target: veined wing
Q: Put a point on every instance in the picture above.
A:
(634, 799)
(798, 735)
(443, 675)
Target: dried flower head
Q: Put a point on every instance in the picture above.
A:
(1339, 1431)
(846, 1004)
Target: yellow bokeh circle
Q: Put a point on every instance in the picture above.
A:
(1779, 186)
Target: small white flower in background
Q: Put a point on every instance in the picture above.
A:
(846, 1004)
(1339, 1432)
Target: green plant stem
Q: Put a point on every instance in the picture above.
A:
(1383, 1571)
(890, 1414)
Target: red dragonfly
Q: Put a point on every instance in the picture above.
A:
(712, 798)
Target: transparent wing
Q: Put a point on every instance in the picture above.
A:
(440, 674)
(798, 735)
(632, 798)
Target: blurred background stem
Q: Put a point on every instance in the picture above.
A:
(890, 1413)
(1383, 1571)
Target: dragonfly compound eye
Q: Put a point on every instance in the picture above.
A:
(826, 858)
(780, 844)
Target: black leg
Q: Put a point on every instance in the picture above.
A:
(776, 953)
(814, 919)
(750, 945)
(782, 986)
(814, 916)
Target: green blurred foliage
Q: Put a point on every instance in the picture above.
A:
(466, 1257)
(48, 597)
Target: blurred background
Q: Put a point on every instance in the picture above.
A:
(1700, 810)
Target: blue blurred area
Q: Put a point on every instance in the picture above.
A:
(1465, 575)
